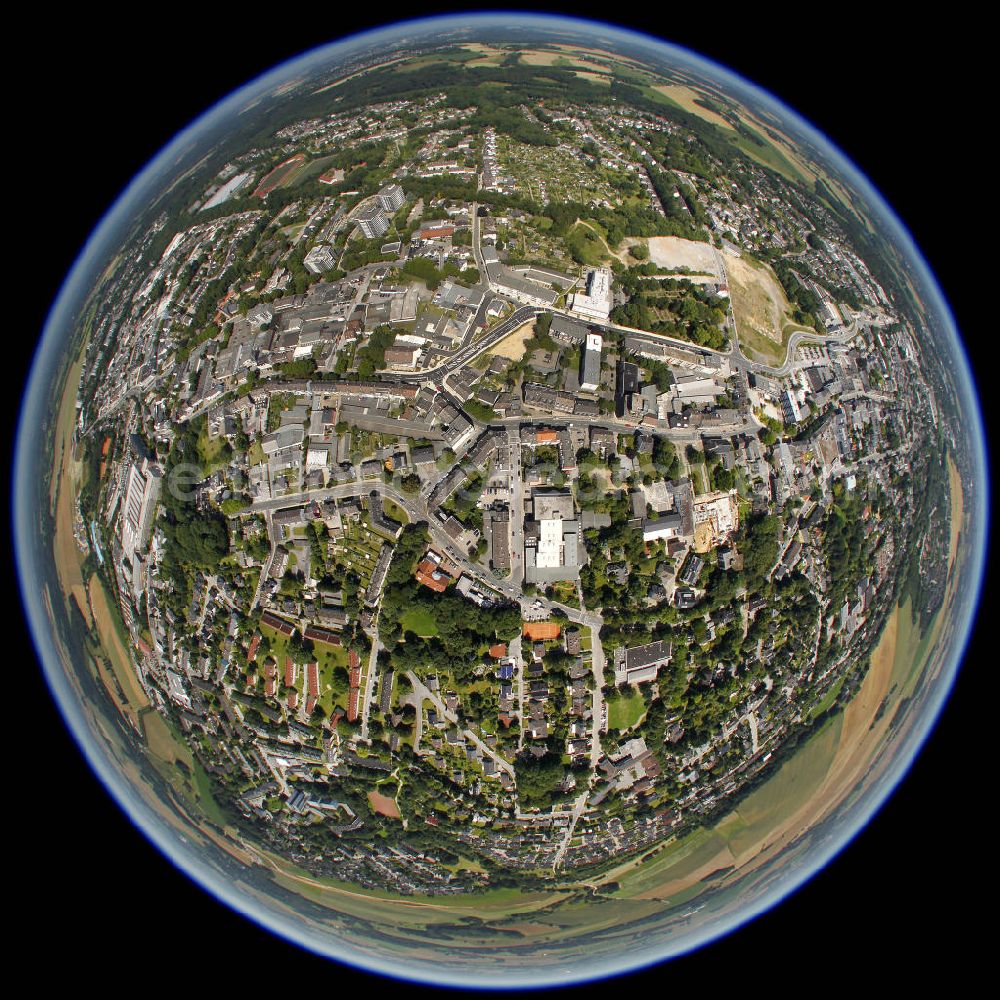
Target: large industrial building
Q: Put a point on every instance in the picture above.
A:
(551, 538)
(666, 526)
(142, 491)
(522, 290)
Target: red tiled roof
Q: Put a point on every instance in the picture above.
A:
(278, 624)
(317, 634)
(436, 232)
(429, 575)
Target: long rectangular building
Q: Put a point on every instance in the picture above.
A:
(590, 363)
(142, 492)
(378, 575)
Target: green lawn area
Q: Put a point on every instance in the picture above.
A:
(625, 710)
(699, 476)
(393, 510)
(419, 621)
(279, 645)
(565, 592)
(327, 657)
(213, 453)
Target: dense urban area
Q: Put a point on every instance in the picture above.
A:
(495, 483)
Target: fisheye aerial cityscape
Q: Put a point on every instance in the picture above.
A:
(500, 495)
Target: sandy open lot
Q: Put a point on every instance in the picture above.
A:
(512, 346)
(758, 299)
(702, 537)
(674, 251)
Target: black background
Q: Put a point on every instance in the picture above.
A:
(903, 98)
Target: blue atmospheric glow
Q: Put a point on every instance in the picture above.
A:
(30, 544)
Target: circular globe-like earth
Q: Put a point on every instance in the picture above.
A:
(677, 625)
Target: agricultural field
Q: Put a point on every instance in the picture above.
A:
(65, 482)
(687, 98)
(792, 785)
(114, 643)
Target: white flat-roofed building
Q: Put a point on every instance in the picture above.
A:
(550, 543)
(552, 539)
(595, 303)
(318, 456)
(527, 293)
(224, 193)
(667, 526)
(790, 407)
